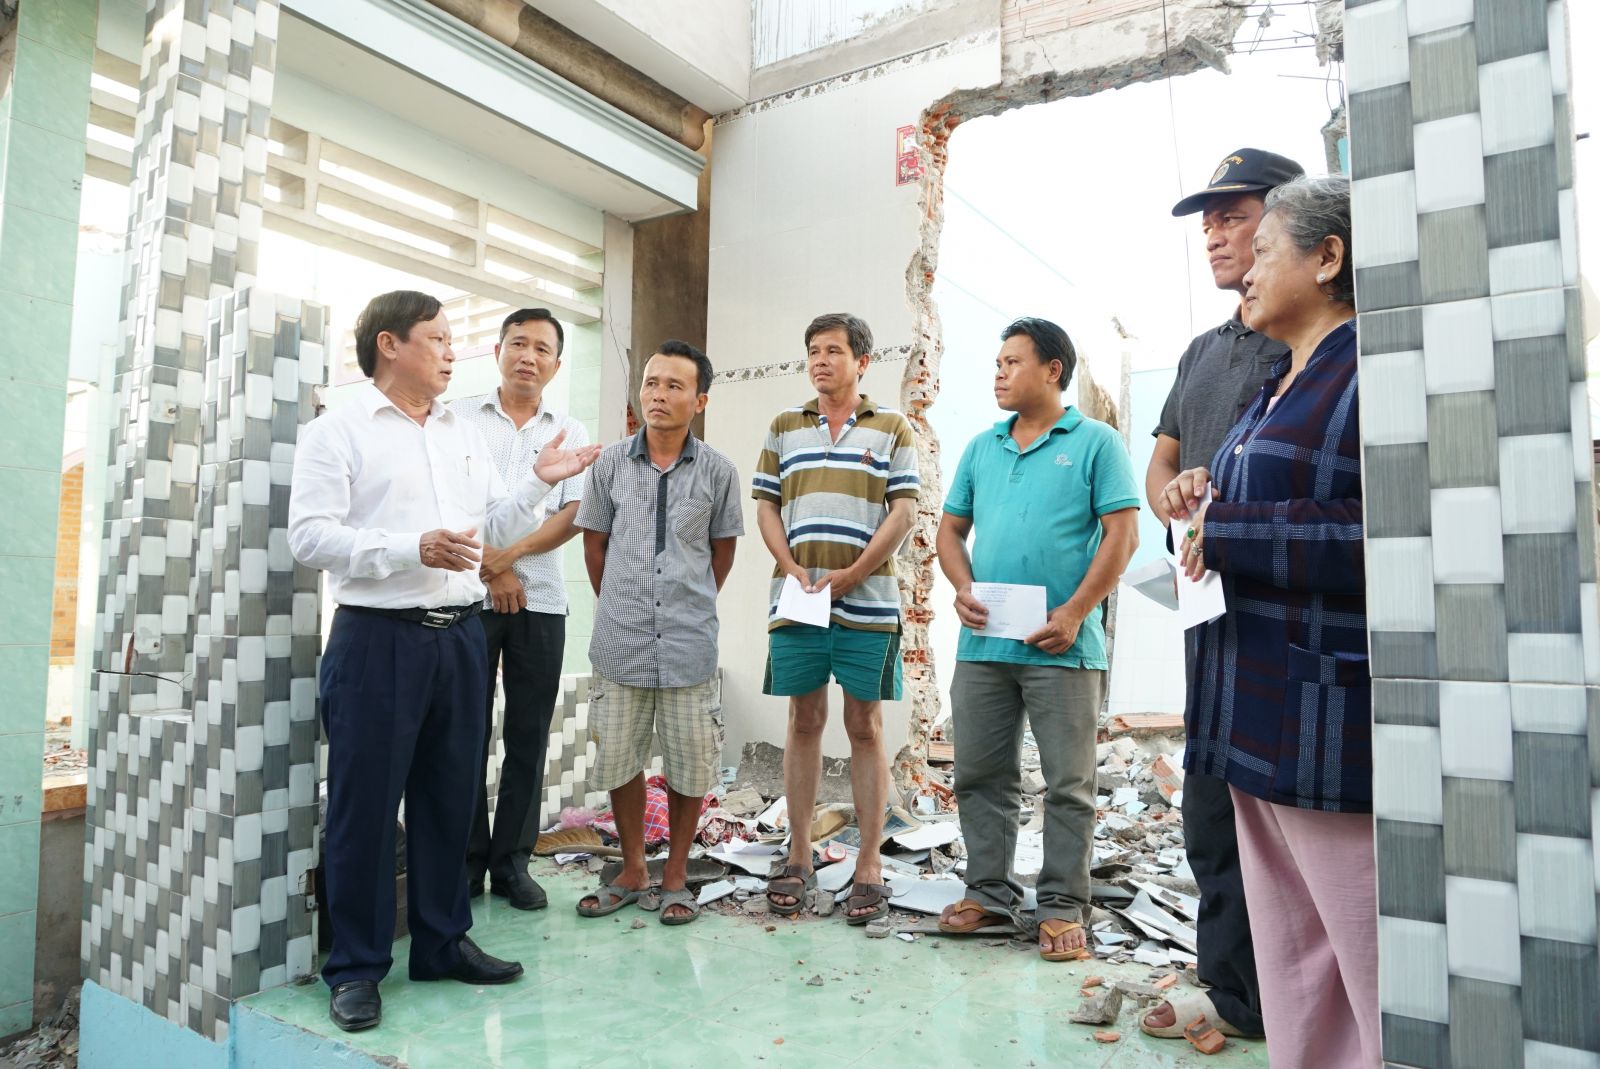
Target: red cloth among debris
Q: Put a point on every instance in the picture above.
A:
(656, 828)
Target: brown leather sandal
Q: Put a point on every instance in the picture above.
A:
(791, 881)
(874, 896)
(1053, 928)
(986, 917)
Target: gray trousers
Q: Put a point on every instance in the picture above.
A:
(989, 700)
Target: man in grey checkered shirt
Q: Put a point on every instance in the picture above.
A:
(525, 622)
(660, 516)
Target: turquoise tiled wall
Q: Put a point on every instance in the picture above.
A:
(42, 122)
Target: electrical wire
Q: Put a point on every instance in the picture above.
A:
(1177, 157)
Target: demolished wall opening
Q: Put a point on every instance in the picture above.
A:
(1057, 204)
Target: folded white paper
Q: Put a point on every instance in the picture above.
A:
(1015, 611)
(1154, 581)
(795, 605)
(1202, 602)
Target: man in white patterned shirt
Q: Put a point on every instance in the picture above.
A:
(525, 614)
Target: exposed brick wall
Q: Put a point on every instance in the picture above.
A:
(64, 606)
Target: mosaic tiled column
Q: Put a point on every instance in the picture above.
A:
(202, 802)
(1480, 533)
(43, 113)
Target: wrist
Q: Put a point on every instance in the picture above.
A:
(1076, 609)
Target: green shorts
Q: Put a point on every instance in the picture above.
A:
(801, 658)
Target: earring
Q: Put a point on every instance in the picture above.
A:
(1322, 278)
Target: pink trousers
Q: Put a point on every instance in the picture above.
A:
(1310, 879)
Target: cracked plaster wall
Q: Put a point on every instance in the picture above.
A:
(807, 217)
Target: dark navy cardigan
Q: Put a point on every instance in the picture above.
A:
(1281, 703)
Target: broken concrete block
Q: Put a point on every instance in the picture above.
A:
(1137, 991)
(744, 803)
(879, 930)
(1032, 783)
(815, 981)
(761, 769)
(1099, 1008)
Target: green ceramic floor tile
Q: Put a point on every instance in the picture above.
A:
(602, 994)
(542, 1030)
(699, 1042)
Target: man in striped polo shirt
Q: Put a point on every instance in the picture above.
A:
(836, 488)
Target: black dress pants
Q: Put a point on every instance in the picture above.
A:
(527, 647)
(402, 711)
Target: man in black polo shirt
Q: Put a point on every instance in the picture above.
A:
(1218, 376)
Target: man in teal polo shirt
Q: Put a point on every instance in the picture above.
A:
(1053, 496)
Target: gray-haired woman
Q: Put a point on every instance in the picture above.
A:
(1281, 708)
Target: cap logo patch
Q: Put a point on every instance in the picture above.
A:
(1223, 169)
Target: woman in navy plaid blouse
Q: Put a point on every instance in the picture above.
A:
(1281, 705)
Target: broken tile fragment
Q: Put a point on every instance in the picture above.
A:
(1099, 1008)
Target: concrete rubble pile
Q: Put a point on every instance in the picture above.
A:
(52, 1045)
(1144, 895)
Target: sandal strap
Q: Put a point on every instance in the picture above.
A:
(680, 897)
(1057, 926)
(870, 893)
(791, 876)
(966, 904)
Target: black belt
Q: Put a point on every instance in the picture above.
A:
(441, 617)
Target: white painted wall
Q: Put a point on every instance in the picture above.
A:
(700, 49)
(806, 218)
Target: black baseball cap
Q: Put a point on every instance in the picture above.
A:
(1249, 170)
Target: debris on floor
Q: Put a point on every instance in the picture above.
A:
(1144, 899)
(53, 1045)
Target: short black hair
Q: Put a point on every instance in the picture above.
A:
(855, 329)
(394, 313)
(702, 362)
(535, 315)
(1050, 342)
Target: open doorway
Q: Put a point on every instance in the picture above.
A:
(1036, 223)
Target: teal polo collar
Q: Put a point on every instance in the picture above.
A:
(1069, 419)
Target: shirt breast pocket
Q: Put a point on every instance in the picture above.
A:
(471, 477)
(691, 519)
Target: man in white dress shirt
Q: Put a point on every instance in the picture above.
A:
(525, 625)
(391, 493)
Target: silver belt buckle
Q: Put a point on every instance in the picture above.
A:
(437, 619)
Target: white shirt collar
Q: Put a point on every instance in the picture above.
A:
(373, 400)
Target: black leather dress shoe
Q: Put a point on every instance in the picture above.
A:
(520, 890)
(356, 1005)
(477, 968)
